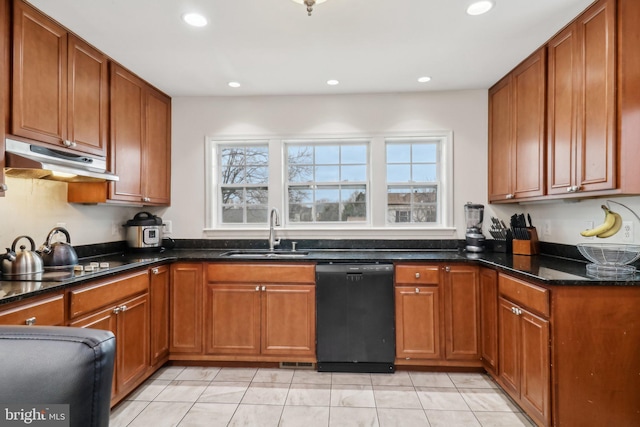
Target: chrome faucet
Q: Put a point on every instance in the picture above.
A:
(274, 221)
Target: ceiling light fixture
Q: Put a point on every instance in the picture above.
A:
(234, 84)
(424, 79)
(333, 82)
(309, 4)
(480, 7)
(194, 19)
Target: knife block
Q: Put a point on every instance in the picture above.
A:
(527, 247)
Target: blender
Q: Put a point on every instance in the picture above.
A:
(474, 214)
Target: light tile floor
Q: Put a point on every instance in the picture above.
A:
(258, 397)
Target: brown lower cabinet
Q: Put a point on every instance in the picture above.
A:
(437, 315)
(262, 312)
(45, 311)
(159, 280)
(185, 310)
(120, 305)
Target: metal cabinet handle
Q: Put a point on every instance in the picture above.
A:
(447, 269)
(3, 187)
(510, 196)
(123, 308)
(146, 199)
(117, 310)
(68, 143)
(417, 290)
(155, 271)
(417, 275)
(264, 288)
(257, 288)
(30, 321)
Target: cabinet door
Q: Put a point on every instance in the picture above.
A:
(159, 295)
(185, 317)
(288, 320)
(461, 312)
(489, 318)
(39, 108)
(535, 385)
(509, 347)
(596, 124)
(157, 156)
(132, 339)
(500, 118)
(88, 98)
(232, 313)
(528, 127)
(417, 322)
(127, 135)
(562, 107)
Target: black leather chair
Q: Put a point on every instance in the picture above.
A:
(58, 365)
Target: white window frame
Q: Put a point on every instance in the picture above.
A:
(376, 226)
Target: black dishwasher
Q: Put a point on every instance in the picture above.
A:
(355, 318)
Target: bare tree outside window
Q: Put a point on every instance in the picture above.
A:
(244, 179)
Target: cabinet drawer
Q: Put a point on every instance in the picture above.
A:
(47, 312)
(261, 273)
(526, 294)
(418, 274)
(106, 292)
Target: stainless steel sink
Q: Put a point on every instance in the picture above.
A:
(258, 253)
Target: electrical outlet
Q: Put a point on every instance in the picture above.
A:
(627, 231)
(546, 228)
(168, 227)
(115, 228)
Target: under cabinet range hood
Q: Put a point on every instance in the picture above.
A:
(25, 160)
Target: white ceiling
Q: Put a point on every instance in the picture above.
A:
(273, 48)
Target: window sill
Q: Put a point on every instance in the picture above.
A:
(417, 233)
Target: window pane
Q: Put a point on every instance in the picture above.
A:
(300, 173)
(425, 195)
(398, 153)
(232, 156)
(300, 213)
(354, 211)
(300, 195)
(328, 195)
(299, 154)
(257, 196)
(354, 173)
(257, 175)
(354, 154)
(232, 214)
(231, 196)
(425, 153)
(327, 154)
(425, 214)
(398, 173)
(257, 214)
(424, 173)
(327, 212)
(327, 174)
(257, 155)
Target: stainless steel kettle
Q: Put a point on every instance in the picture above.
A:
(21, 263)
(58, 255)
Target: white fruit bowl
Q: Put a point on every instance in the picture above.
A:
(609, 254)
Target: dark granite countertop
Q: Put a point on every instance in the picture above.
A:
(541, 269)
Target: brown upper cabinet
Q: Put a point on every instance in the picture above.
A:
(60, 85)
(590, 128)
(140, 140)
(516, 132)
(581, 104)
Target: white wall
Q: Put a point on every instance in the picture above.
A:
(33, 207)
(194, 119)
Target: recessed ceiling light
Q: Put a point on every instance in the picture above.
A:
(234, 84)
(424, 79)
(333, 82)
(480, 7)
(194, 19)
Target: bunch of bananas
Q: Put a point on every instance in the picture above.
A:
(611, 225)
